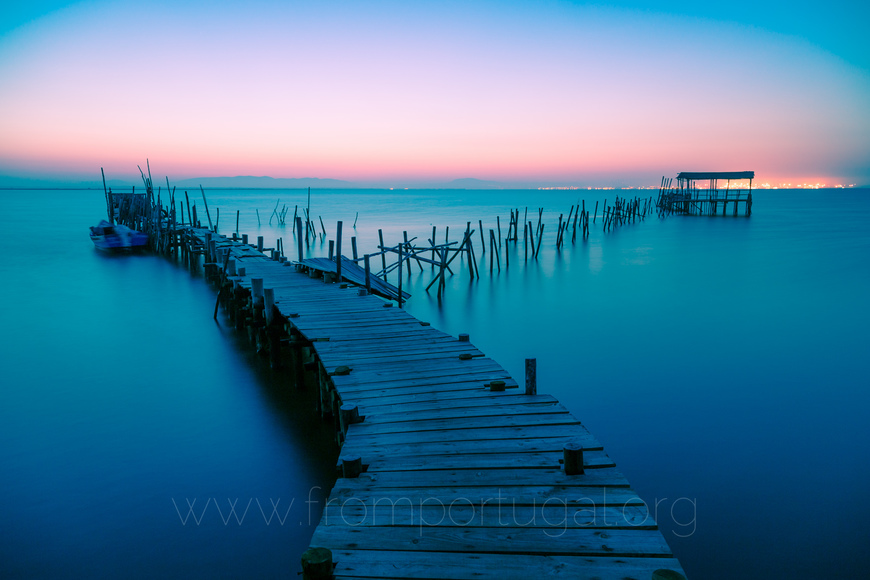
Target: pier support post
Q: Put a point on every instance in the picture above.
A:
(464, 338)
(257, 288)
(348, 415)
(368, 274)
(573, 457)
(259, 243)
(352, 466)
(299, 238)
(531, 376)
(317, 564)
(269, 304)
(338, 251)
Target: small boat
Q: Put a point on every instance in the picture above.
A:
(110, 237)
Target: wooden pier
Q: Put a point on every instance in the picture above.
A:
(450, 468)
(688, 198)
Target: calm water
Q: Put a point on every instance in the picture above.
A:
(722, 362)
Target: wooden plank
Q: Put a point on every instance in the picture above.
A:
(464, 423)
(427, 387)
(593, 459)
(496, 477)
(428, 358)
(475, 566)
(365, 492)
(471, 434)
(370, 450)
(518, 407)
(440, 397)
(550, 539)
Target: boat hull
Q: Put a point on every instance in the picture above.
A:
(117, 238)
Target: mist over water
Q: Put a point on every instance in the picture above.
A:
(719, 360)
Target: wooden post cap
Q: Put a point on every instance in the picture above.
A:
(342, 371)
(351, 466)
(363, 292)
(465, 356)
(463, 338)
(496, 385)
(573, 458)
(665, 574)
(317, 564)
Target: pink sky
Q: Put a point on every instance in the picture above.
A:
(555, 94)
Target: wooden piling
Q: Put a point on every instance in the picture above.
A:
(531, 376)
(383, 253)
(572, 455)
(400, 275)
(368, 274)
(317, 564)
(299, 238)
(338, 251)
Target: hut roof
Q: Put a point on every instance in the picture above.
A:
(716, 175)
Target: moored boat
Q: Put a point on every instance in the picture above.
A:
(110, 237)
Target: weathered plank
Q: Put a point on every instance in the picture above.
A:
(553, 537)
(476, 566)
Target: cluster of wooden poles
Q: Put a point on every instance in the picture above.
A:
(166, 228)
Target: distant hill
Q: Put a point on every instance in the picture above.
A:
(12, 182)
(472, 183)
(265, 182)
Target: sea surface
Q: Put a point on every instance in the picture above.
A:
(722, 362)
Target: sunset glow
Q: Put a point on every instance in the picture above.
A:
(384, 92)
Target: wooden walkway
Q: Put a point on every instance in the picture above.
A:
(460, 479)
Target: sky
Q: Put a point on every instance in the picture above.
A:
(393, 93)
